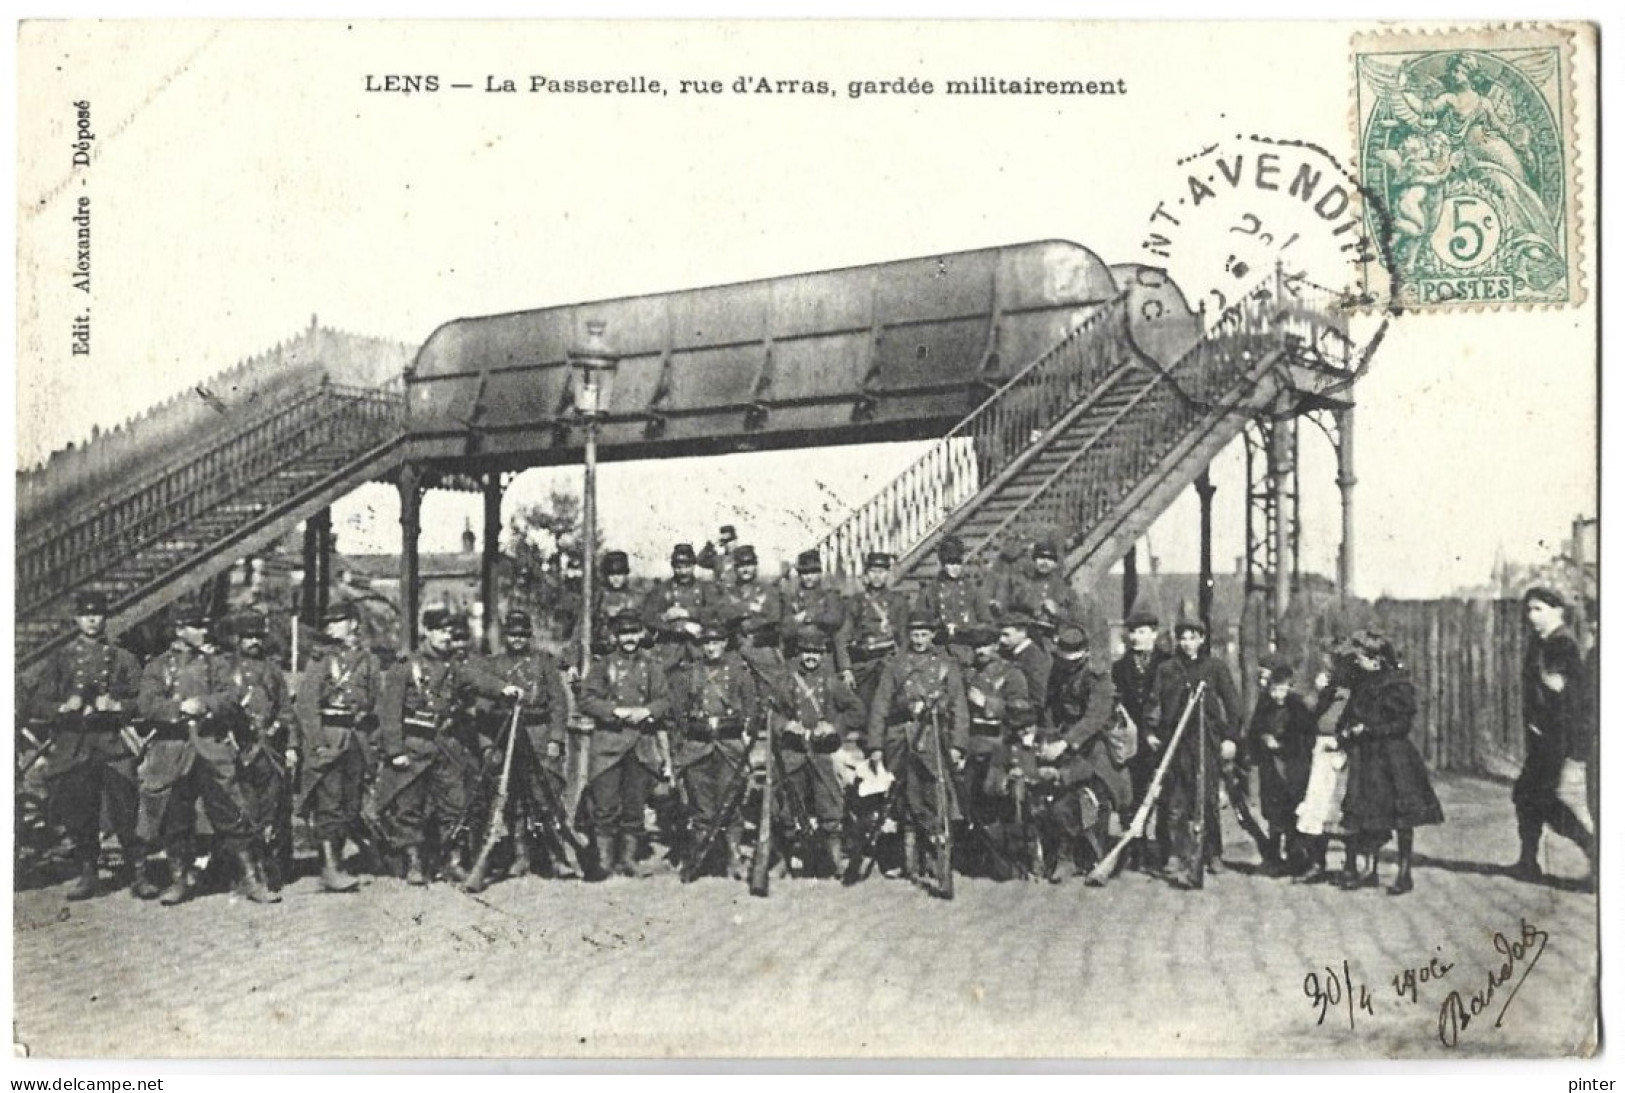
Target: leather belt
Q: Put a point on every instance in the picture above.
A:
(986, 728)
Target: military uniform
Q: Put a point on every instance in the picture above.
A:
(754, 609)
(336, 738)
(90, 763)
(610, 603)
(957, 600)
(714, 706)
(1049, 599)
(821, 607)
(261, 693)
(821, 710)
(1005, 709)
(624, 760)
(673, 608)
(876, 623)
(426, 728)
(537, 776)
(913, 686)
(1216, 720)
(187, 698)
(1132, 677)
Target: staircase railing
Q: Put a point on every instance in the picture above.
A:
(59, 558)
(955, 467)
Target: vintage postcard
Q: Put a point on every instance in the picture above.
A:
(807, 540)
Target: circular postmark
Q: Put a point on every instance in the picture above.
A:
(1261, 232)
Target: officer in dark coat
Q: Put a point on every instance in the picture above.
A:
(1214, 728)
(612, 599)
(673, 609)
(536, 776)
(628, 697)
(816, 712)
(335, 741)
(187, 698)
(1133, 675)
(876, 623)
(1032, 660)
(1280, 742)
(1043, 593)
(919, 688)
(754, 609)
(427, 733)
(714, 708)
(1081, 756)
(955, 598)
(810, 602)
(263, 713)
(1556, 730)
(87, 693)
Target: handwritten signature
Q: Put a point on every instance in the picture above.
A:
(1459, 1011)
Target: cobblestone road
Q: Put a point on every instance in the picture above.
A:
(653, 968)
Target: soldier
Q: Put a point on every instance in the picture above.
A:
(1082, 757)
(186, 695)
(673, 608)
(819, 710)
(261, 693)
(714, 706)
(87, 692)
(876, 620)
(955, 599)
(462, 638)
(1031, 659)
(718, 557)
(536, 777)
(1000, 710)
(425, 716)
(919, 688)
(1132, 676)
(1213, 727)
(627, 696)
(756, 611)
(1044, 594)
(612, 599)
(335, 742)
(809, 602)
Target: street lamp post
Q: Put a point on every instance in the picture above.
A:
(592, 366)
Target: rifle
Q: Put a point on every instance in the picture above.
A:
(1235, 788)
(1198, 868)
(733, 799)
(1029, 831)
(41, 748)
(561, 834)
(1136, 828)
(862, 858)
(499, 806)
(759, 861)
(943, 838)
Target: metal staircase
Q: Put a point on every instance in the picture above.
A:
(1093, 440)
(147, 543)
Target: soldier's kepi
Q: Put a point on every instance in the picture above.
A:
(186, 695)
(335, 742)
(86, 693)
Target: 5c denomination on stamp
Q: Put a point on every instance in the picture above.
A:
(1467, 141)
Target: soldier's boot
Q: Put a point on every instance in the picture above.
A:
(736, 859)
(252, 886)
(626, 858)
(1061, 863)
(85, 885)
(183, 880)
(911, 852)
(414, 867)
(835, 851)
(521, 853)
(1273, 863)
(454, 870)
(142, 886)
(334, 878)
(369, 858)
(605, 857)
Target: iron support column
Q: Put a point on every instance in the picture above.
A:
(1204, 584)
(1345, 486)
(489, 541)
(1131, 580)
(323, 523)
(411, 491)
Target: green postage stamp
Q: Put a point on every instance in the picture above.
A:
(1466, 150)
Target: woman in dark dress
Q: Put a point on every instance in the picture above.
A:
(1388, 784)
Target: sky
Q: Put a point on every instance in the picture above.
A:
(243, 180)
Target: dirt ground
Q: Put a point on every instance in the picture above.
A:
(543, 968)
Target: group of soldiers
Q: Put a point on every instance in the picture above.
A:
(963, 727)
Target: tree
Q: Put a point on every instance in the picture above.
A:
(533, 544)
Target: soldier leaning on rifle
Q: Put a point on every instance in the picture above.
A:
(335, 742)
(426, 727)
(261, 694)
(627, 695)
(754, 609)
(86, 692)
(1213, 727)
(919, 685)
(876, 621)
(1081, 758)
(536, 780)
(187, 697)
(822, 710)
(714, 706)
(810, 602)
(1132, 677)
(1000, 710)
(955, 598)
(673, 608)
